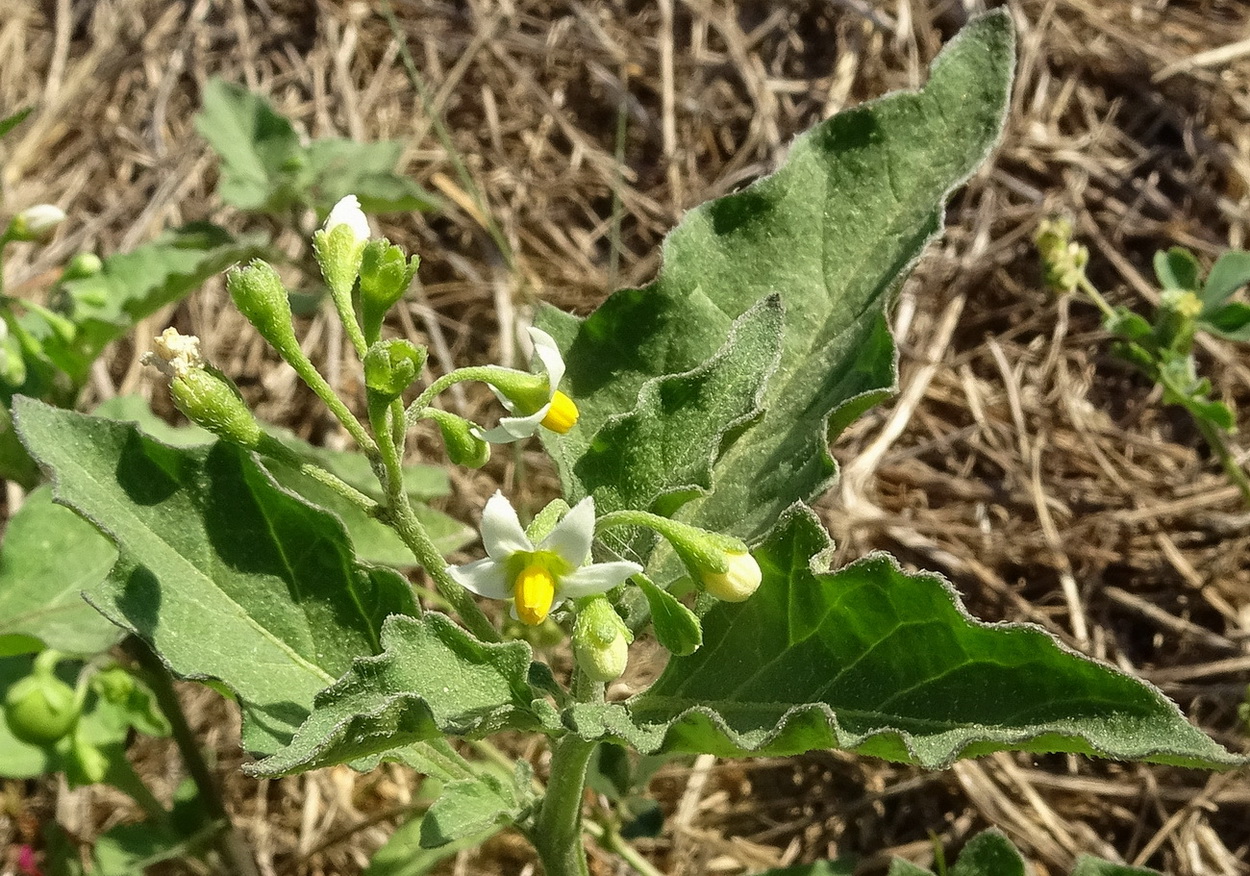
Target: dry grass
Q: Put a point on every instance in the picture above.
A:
(1021, 461)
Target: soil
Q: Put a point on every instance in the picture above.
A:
(1021, 460)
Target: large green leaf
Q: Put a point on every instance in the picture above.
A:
(225, 573)
(337, 168)
(889, 664)
(432, 679)
(135, 284)
(260, 151)
(50, 555)
(833, 233)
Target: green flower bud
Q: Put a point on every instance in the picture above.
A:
(464, 441)
(391, 367)
(339, 245)
(720, 563)
(258, 292)
(40, 708)
(384, 277)
(600, 640)
(1063, 260)
(1174, 324)
(36, 223)
(204, 394)
(526, 392)
(81, 266)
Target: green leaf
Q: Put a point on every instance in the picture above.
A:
(1230, 272)
(136, 284)
(468, 807)
(1090, 866)
(15, 463)
(676, 627)
(224, 573)
(875, 660)
(337, 168)
(660, 455)
(1231, 321)
(50, 555)
(432, 679)
(832, 232)
(1178, 268)
(989, 854)
(374, 542)
(403, 854)
(9, 122)
(260, 151)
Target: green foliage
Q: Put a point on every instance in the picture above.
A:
(872, 659)
(431, 679)
(857, 200)
(265, 167)
(991, 854)
(468, 807)
(11, 121)
(405, 855)
(49, 556)
(204, 532)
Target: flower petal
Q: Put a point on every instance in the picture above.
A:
(515, 428)
(483, 577)
(502, 535)
(596, 578)
(549, 354)
(571, 537)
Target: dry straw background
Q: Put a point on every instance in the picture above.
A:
(1019, 460)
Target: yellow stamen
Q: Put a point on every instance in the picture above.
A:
(534, 589)
(562, 415)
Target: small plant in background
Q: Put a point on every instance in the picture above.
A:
(690, 422)
(1163, 349)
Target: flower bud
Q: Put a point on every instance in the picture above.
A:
(1174, 324)
(204, 394)
(36, 223)
(40, 708)
(463, 440)
(340, 244)
(600, 640)
(82, 266)
(523, 392)
(740, 579)
(258, 292)
(721, 563)
(1063, 260)
(391, 367)
(385, 275)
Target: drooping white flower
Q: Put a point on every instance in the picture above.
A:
(553, 410)
(539, 577)
(347, 212)
(37, 222)
(740, 579)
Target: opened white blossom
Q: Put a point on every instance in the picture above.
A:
(556, 412)
(539, 577)
(347, 212)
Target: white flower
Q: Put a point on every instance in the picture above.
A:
(557, 412)
(539, 577)
(37, 222)
(347, 212)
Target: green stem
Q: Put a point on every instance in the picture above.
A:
(399, 514)
(347, 316)
(1095, 296)
(558, 832)
(318, 384)
(231, 846)
(1219, 443)
(460, 375)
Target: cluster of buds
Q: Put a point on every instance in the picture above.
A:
(1063, 259)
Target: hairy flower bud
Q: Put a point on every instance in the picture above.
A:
(385, 275)
(340, 244)
(204, 394)
(391, 367)
(740, 579)
(463, 440)
(600, 640)
(258, 292)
